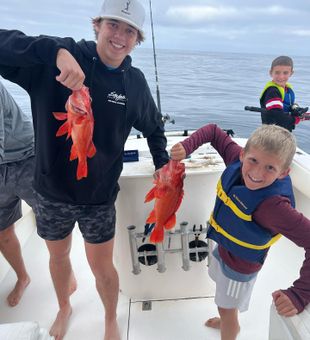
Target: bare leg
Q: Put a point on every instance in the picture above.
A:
(10, 248)
(100, 259)
(64, 283)
(228, 323)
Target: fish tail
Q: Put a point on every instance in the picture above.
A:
(157, 234)
(81, 170)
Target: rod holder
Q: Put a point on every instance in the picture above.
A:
(185, 246)
(134, 249)
(156, 253)
(160, 257)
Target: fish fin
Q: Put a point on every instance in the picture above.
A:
(91, 150)
(62, 130)
(150, 195)
(157, 235)
(170, 223)
(81, 170)
(69, 131)
(152, 217)
(73, 153)
(60, 115)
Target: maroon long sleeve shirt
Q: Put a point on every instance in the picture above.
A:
(275, 214)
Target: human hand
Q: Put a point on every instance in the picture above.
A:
(156, 174)
(283, 304)
(71, 74)
(177, 152)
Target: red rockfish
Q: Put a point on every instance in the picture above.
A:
(168, 194)
(79, 126)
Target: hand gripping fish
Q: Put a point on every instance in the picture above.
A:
(168, 194)
(79, 126)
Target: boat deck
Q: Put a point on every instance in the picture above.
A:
(180, 319)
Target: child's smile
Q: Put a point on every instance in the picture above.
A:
(260, 168)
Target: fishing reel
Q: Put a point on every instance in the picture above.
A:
(200, 249)
(297, 111)
(167, 119)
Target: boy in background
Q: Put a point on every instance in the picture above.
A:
(278, 97)
(254, 205)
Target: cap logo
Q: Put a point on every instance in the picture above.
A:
(126, 9)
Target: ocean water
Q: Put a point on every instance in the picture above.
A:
(197, 88)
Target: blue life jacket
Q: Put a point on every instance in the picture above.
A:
(231, 223)
(289, 99)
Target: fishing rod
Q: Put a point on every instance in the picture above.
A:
(166, 117)
(155, 62)
(297, 112)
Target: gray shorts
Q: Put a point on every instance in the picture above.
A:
(56, 220)
(15, 185)
(230, 294)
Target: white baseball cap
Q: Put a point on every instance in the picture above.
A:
(131, 12)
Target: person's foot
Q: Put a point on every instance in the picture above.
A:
(18, 291)
(111, 331)
(214, 323)
(60, 325)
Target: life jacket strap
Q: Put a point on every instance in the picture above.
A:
(220, 230)
(227, 201)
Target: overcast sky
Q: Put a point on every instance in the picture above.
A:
(253, 26)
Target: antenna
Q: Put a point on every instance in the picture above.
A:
(155, 63)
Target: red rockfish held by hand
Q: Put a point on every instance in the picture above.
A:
(79, 126)
(168, 194)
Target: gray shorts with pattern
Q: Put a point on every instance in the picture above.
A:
(15, 185)
(56, 220)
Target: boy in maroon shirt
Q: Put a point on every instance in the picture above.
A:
(253, 194)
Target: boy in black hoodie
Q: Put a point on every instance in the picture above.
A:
(121, 99)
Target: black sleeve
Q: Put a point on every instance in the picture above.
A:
(150, 123)
(18, 49)
(19, 53)
(275, 115)
(157, 143)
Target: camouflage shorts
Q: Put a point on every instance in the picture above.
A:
(56, 220)
(15, 185)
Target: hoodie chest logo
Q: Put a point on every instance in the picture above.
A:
(115, 98)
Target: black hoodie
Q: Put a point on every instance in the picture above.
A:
(121, 99)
